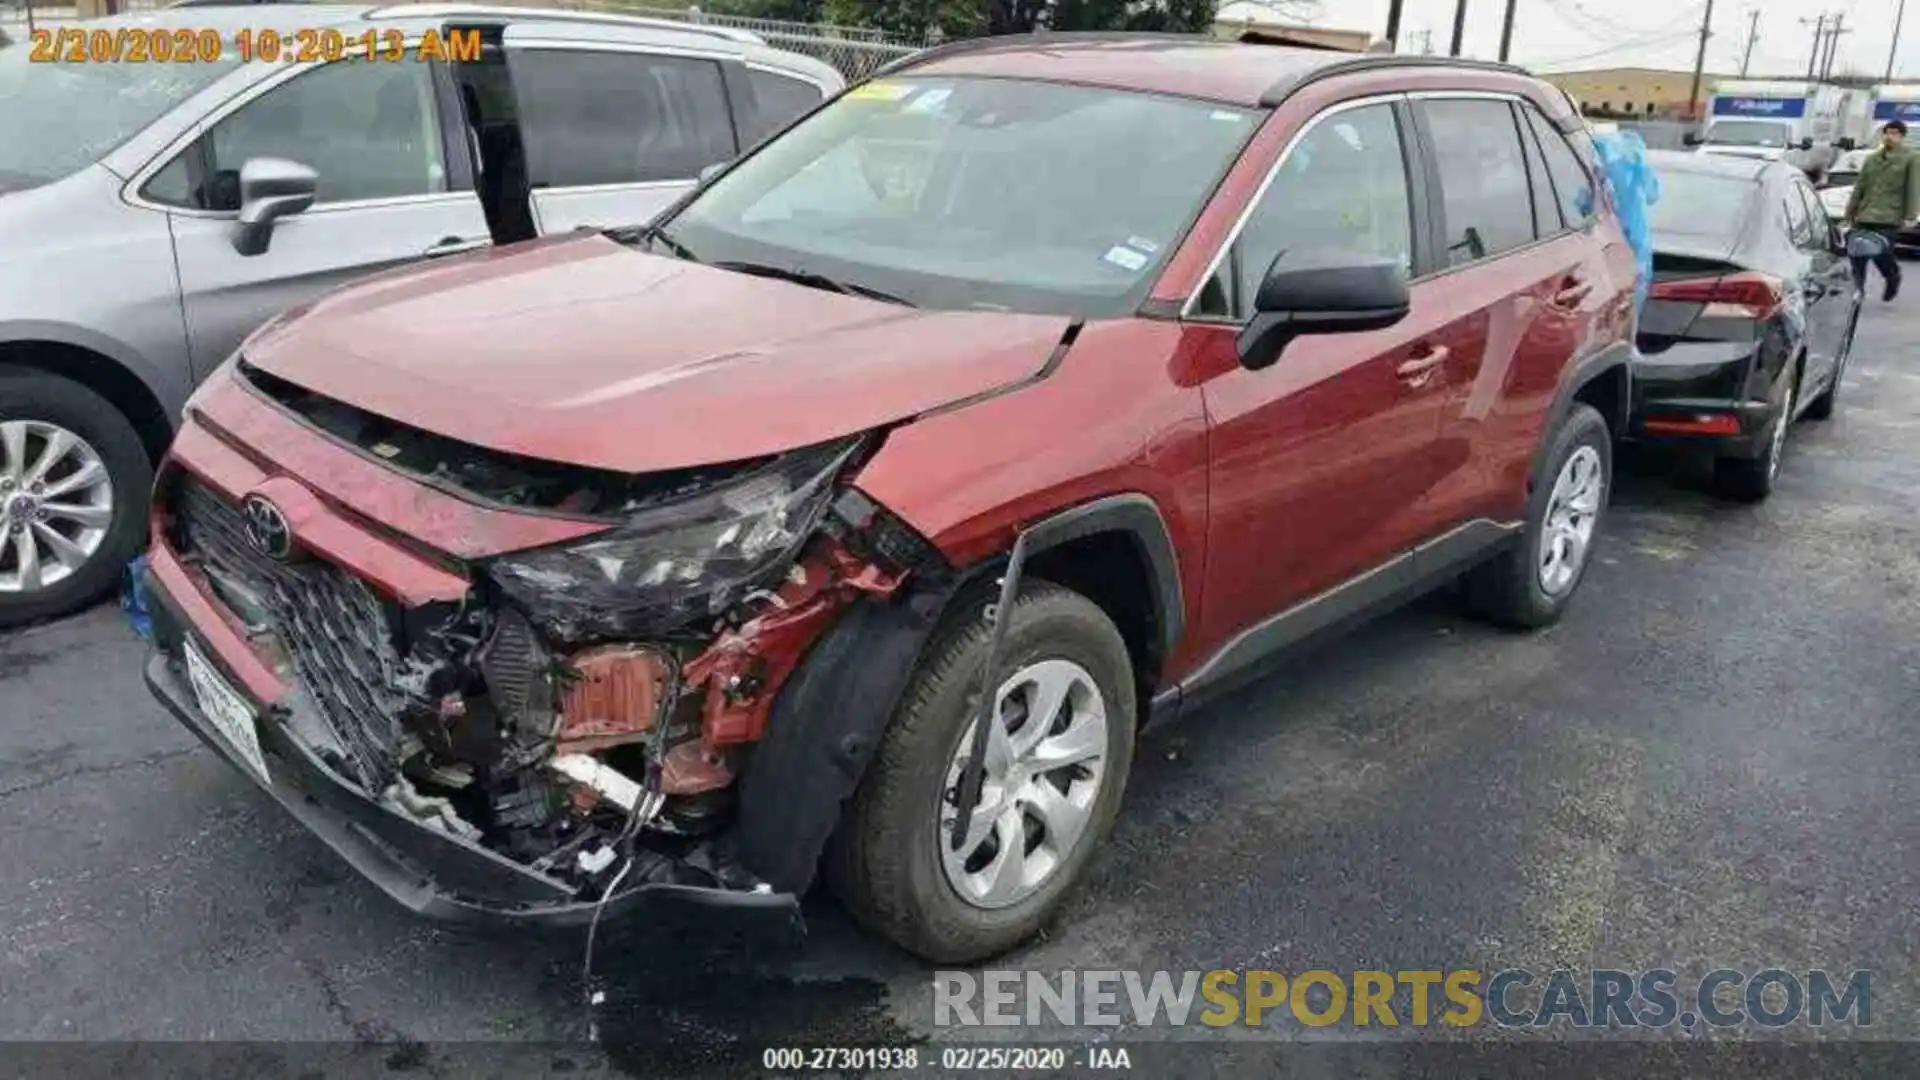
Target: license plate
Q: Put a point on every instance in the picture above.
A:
(228, 711)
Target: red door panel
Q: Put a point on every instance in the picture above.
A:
(1320, 462)
(1522, 317)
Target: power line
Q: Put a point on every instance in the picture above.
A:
(1658, 39)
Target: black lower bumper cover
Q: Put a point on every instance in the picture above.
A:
(428, 871)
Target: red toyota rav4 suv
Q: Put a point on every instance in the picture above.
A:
(857, 512)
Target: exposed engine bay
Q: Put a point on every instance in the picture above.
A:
(586, 710)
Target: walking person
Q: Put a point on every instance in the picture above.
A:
(1885, 199)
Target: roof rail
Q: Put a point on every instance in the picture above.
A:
(532, 14)
(1037, 37)
(1286, 85)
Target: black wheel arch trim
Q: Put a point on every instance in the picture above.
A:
(1601, 363)
(832, 713)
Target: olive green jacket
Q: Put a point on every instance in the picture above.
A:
(1888, 189)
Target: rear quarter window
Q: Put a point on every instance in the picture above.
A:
(779, 100)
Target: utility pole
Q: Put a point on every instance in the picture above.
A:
(1753, 35)
(1506, 31)
(1833, 44)
(1393, 24)
(1819, 37)
(1899, 14)
(1459, 26)
(1700, 61)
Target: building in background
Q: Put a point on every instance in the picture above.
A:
(1632, 92)
(1251, 20)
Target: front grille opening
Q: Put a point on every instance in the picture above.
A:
(335, 630)
(491, 475)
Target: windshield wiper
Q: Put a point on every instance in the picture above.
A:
(651, 234)
(811, 280)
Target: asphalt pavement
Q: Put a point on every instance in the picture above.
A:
(1711, 762)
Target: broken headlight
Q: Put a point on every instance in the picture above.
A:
(679, 561)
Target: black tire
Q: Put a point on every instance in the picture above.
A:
(36, 395)
(1507, 589)
(884, 862)
(1821, 408)
(1752, 479)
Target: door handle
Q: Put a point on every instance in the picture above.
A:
(1419, 371)
(454, 245)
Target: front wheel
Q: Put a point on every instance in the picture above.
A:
(1530, 584)
(1056, 763)
(73, 495)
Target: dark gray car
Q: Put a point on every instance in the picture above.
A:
(151, 214)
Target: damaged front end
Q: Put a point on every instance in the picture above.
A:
(582, 715)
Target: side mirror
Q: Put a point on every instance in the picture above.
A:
(1692, 138)
(1321, 293)
(270, 189)
(1806, 144)
(1846, 143)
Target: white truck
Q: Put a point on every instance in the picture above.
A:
(1896, 103)
(1802, 123)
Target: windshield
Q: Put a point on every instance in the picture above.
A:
(1748, 133)
(975, 193)
(1701, 204)
(60, 117)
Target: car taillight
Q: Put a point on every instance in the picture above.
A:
(1737, 296)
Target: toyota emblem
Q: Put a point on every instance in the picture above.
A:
(267, 528)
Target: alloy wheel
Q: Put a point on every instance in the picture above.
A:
(1777, 442)
(1044, 767)
(56, 504)
(1573, 508)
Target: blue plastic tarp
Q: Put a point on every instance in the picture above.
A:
(1634, 187)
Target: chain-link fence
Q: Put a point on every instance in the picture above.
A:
(854, 50)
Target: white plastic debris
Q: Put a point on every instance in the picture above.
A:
(592, 862)
(611, 783)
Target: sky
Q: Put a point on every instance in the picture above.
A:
(1570, 34)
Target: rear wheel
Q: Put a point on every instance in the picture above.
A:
(1056, 764)
(1821, 408)
(74, 481)
(1752, 479)
(1531, 583)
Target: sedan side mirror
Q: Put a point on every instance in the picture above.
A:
(270, 189)
(1846, 142)
(1806, 144)
(1321, 293)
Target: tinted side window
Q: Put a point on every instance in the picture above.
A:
(778, 99)
(1342, 187)
(1483, 178)
(1799, 222)
(1819, 226)
(619, 118)
(369, 128)
(1572, 185)
(1546, 212)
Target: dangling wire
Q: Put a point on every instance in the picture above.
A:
(652, 798)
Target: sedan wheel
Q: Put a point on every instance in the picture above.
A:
(73, 493)
(56, 503)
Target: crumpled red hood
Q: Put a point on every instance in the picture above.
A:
(583, 350)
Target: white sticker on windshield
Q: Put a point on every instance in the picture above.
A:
(929, 101)
(1125, 257)
(1230, 117)
(1143, 244)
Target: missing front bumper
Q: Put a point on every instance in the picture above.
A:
(425, 870)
